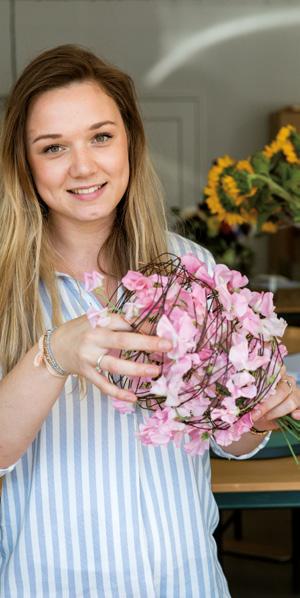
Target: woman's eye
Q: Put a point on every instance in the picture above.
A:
(52, 149)
(102, 137)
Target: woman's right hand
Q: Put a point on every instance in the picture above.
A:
(77, 347)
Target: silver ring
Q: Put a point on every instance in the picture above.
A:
(290, 385)
(98, 364)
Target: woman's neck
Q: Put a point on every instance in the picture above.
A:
(77, 247)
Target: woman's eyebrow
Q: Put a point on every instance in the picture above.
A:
(58, 135)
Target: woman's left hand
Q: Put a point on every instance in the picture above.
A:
(285, 400)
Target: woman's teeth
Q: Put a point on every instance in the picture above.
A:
(86, 190)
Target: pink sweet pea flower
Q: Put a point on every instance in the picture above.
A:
(232, 278)
(241, 385)
(160, 428)
(181, 332)
(224, 437)
(93, 280)
(251, 322)
(135, 281)
(169, 388)
(239, 352)
(98, 317)
(194, 408)
(198, 444)
(272, 326)
(122, 406)
(262, 303)
(235, 304)
(242, 425)
(191, 262)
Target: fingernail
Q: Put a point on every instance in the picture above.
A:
(164, 344)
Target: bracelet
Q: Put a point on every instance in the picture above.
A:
(49, 355)
(45, 355)
(257, 432)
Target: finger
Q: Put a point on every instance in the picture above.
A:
(125, 367)
(114, 322)
(296, 414)
(288, 405)
(110, 389)
(283, 389)
(132, 341)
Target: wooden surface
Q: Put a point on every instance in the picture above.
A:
(255, 475)
(287, 300)
(291, 339)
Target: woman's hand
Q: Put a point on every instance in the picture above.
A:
(79, 348)
(285, 400)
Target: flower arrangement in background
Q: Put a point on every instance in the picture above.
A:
(262, 191)
(225, 357)
(243, 198)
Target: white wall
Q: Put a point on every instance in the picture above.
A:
(208, 72)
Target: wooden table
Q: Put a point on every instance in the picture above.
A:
(260, 484)
(255, 475)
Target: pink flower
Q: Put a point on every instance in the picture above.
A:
(160, 428)
(135, 281)
(245, 357)
(262, 303)
(181, 332)
(224, 357)
(98, 317)
(272, 326)
(122, 406)
(93, 280)
(223, 276)
(169, 388)
(235, 304)
(241, 385)
(198, 444)
(191, 262)
(194, 408)
(224, 437)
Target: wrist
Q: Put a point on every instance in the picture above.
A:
(47, 357)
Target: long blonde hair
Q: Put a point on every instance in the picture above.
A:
(26, 253)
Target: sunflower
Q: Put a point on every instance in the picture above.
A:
(227, 189)
(269, 227)
(284, 142)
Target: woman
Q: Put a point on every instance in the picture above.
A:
(86, 509)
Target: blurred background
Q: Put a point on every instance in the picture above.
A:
(209, 75)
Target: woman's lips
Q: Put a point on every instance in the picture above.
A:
(88, 193)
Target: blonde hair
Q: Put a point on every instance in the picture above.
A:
(26, 253)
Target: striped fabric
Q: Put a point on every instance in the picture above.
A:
(88, 511)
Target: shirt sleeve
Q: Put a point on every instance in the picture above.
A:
(221, 453)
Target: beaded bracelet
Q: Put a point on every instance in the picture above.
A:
(45, 355)
(257, 432)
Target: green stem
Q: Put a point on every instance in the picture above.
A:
(111, 306)
(272, 186)
(288, 425)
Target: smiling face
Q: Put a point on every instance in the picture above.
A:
(77, 151)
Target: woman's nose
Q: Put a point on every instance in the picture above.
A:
(82, 163)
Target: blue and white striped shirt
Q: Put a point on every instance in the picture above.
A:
(89, 511)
